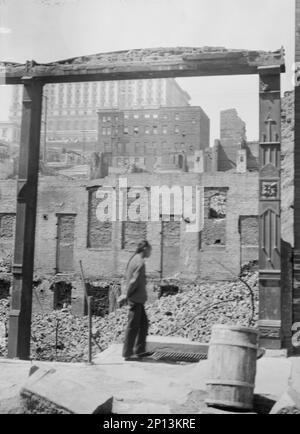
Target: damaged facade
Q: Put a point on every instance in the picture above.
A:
(68, 229)
(161, 62)
(167, 139)
(149, 138)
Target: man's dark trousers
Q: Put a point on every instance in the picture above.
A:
(137, 330)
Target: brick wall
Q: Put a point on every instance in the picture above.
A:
(232, 137)
(7, 231)
(99, 233)
(132, 234)
(252, 152)
(249, 230)
(249, 233)
(7, 226)
(171, 233)
(133, 231)
(164, 132)
(110, 259)
(65, 242)
(214, 232)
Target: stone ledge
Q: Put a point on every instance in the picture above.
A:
(289, 403)
(64, 391)
(214, 410)
(174, 343)
(276, 353)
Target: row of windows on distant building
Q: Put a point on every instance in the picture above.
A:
(61, 112)
(164, 116)
(140, 148)
(73, 139)
(103, 101)
(91, 109)
(78, 124)
(93, 90)
(111, 131)
(89, 124)
(104, 84)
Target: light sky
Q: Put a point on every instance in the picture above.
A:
(48, 30)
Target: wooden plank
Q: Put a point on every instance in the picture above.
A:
(296, 280)
(269, 211)
(147, 63)
(21, 300)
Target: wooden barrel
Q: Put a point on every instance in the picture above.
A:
(232, 367)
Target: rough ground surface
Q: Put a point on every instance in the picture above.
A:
(136, 387)
(62, 336)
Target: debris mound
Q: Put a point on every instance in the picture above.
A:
(190, 313)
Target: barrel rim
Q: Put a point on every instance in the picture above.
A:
(228, 404)
(215, 341)
(230, 383)
(236, 328)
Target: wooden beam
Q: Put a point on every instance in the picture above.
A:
(269, 209)
(296, 261)
(146, 63)
(21, 300)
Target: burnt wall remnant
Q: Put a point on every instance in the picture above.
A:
(214, 232)
(99, 232)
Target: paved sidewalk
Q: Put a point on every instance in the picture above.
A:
(136, 386)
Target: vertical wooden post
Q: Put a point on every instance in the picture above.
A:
(296, 265)
(21, 301)
(89, 303)
(269, 209)
(161, 271)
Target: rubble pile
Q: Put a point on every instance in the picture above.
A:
(59, 335)
(4, 309)
(192, 313)
(5, 264)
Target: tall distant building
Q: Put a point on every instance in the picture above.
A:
(70, 109)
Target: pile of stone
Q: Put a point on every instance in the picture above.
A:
(192, 313)
(4, 308)
(62, 336)
(5, 265)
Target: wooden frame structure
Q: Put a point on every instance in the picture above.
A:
(141, 64)
(296, 262)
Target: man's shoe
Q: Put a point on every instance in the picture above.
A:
(130, 358)
(144, 354)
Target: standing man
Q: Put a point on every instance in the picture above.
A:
(137, 327)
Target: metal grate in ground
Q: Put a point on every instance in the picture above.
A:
(178, 356)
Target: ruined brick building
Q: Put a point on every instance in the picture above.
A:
(177, 137)
(70, 109)
(68, 229)
(149, 136)
(232, 151)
